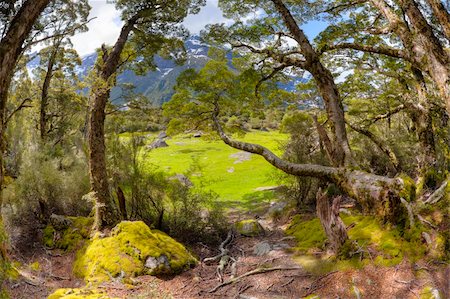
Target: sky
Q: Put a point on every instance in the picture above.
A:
(106, 26)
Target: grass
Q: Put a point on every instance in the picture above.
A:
(212, 168)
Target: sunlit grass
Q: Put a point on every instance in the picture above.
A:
(214, 169)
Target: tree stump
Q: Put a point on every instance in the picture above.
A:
(332, 224)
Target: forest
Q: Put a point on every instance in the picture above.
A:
(290, 149)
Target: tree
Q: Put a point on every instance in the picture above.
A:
(208, 96)
(414, 35)
(151, 27)
(71, 18)
(10, 50)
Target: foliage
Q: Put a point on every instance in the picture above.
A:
(44, 186)
(70, 238)
(125, 252)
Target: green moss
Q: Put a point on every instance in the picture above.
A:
(249, 228)
(35, 266)
(125, 252)
(429, 292)
(70, 238)
(309, 234)
(389, 244)
(78, 294)
(408, 191)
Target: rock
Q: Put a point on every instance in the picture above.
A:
(130, 250)
(249, 228)
(184, 180)
(197, 134)
(230, 170)
(60, 222)
(79, 293)
(162, 135)
(160, 263)
(276, 207)
(158, 144)
(262, 248)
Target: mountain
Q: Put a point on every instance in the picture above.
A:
(156, 85)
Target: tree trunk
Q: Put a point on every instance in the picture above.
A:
(332, 224)
(122, 202)
(106, 213)
(326, 86)
(44, 93)
(10, 50)
(442, 15)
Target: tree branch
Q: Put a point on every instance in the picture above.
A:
(396, 53)
(311, 170)
(20, 107)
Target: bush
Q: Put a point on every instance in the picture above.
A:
(44, 186)
(184, 212)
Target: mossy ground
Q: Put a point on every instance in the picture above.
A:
(72, 237)
(382, 245)
(78, 294)
(125, 252)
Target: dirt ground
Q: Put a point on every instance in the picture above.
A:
(402, 281)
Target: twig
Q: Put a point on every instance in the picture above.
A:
(287, 283)
(253, 272)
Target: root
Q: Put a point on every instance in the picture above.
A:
(253, 272)
(437, 195)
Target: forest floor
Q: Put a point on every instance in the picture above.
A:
(406, 280)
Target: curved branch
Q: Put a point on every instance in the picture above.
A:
(396, 53)
(311, 170)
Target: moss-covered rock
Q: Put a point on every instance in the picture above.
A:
(78, 294)
(408, 191)
(429, 292)
(132, 249)
(68, 237)
(249, 228)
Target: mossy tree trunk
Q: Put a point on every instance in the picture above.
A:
(332, 224)
(106, 212)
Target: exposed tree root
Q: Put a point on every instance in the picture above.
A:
(253, 272)
(438, 194)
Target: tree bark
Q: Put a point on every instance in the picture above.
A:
(106, 213)
(325, 84)
(10, 51)
(334, 227)
(44, 93)
(442, 15)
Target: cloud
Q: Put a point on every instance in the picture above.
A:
(104, 29)
(209, 14)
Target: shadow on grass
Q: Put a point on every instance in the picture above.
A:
(255, 202)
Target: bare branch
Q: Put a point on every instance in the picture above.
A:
(396, 53)
(22, 105)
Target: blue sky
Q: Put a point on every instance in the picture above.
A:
(106, 26)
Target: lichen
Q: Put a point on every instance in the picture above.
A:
(71, 238)
(125, 252)
(249, 228)
(78, 294)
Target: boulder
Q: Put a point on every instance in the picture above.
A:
(131, 249)
(184, 180)
(162, 135)
(157, 144)
(249, 228)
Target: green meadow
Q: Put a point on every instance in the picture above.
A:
(215, 166)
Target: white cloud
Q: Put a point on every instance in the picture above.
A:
(209, 14)
(106, 27)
